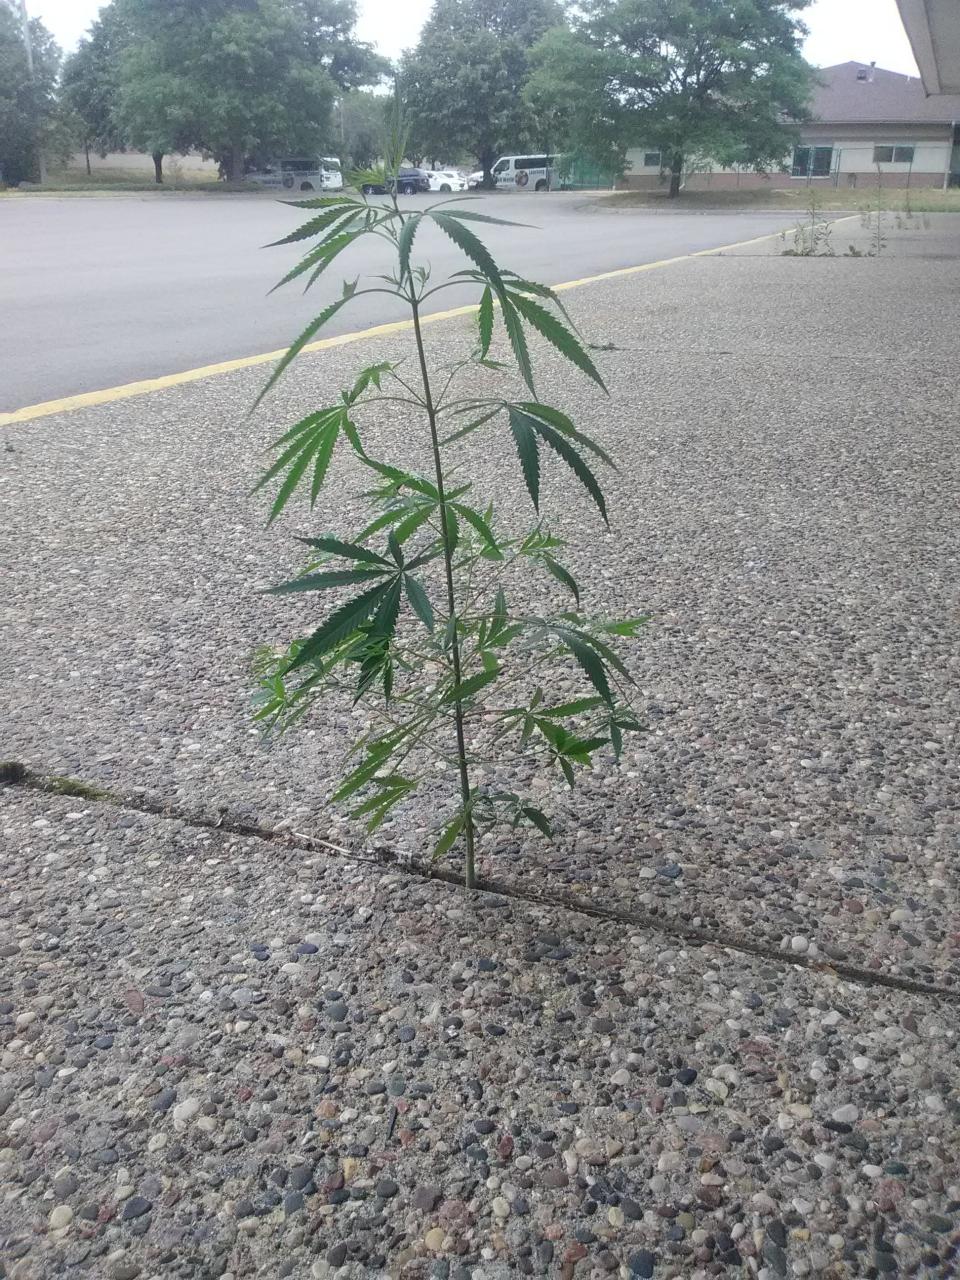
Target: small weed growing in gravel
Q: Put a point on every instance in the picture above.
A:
(457, 675)
(811, 239)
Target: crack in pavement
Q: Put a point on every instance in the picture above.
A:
(14, 773)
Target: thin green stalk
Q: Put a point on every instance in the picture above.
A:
(465, 792)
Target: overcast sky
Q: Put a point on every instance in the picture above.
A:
(840, 30)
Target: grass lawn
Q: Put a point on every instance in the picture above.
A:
(110, 181)
(922, 199)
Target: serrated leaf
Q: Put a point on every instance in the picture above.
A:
(348, 550)
(400, 477)
(413, 522)
(525, 439)
(395, 549)
(341, 624)
(616, 739)
(299, 343)
(485, 321)
(419, 601)
(332, 250)
(407, 233)
(309, 439)
(392, 516)
(538, 819)
(467, 688)
(323, 202)
(319, 257)
(628, 627)
(474, 248)
(580, 748)
(450, 833)
(294, 475)
(324, 581)
(557, 334)
(563, 424)
(477, 521)
(605, 651)
(365, 377)
(574, 708)
(379, 751)
(385, 619)
(591, 663)
(562, 446)
(310, 422)
(562, 575)
(321, 463)
(313, 226)
(518, 341)
(468, 216)
(471, 426)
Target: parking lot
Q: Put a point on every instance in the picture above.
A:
(107, 291)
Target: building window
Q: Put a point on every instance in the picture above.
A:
(812, 162)
(893, 155)
(652, 160)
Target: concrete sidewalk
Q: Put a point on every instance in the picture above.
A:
(230, 1059)
(224, 1059)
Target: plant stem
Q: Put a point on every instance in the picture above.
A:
(469, 868)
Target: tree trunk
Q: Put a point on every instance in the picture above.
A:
(486, 163)
(235, 164)
(86, 154)
(158, 166)
(676, 173)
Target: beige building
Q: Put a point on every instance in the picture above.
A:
(862, 118)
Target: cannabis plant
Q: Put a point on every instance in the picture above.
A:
(429, 630)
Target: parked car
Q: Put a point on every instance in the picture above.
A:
(409, 183)
(311, 173)
(447, 180)
(475, 180)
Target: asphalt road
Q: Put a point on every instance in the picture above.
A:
(98, 292)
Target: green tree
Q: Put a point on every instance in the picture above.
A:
(237, 78)
(361, 119)
(90, 84)
(723, 79)
(28, 106)
(329, 30)
(464, 83)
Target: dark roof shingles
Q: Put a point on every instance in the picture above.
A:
(886, 98)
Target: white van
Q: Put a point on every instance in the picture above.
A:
(527, 173)
(315, 173)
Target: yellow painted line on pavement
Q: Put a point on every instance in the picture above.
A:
(127, 390)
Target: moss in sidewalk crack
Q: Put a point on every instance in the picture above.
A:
(62, 786)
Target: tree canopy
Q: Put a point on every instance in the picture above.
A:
(241, 79)
(362, 120)
(28, 107)
(329, 30)
(723, 79)
(90, 83)
(236, 78)
(464, 83)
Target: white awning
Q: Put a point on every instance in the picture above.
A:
(934, 30)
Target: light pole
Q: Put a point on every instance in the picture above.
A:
(28, 45)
